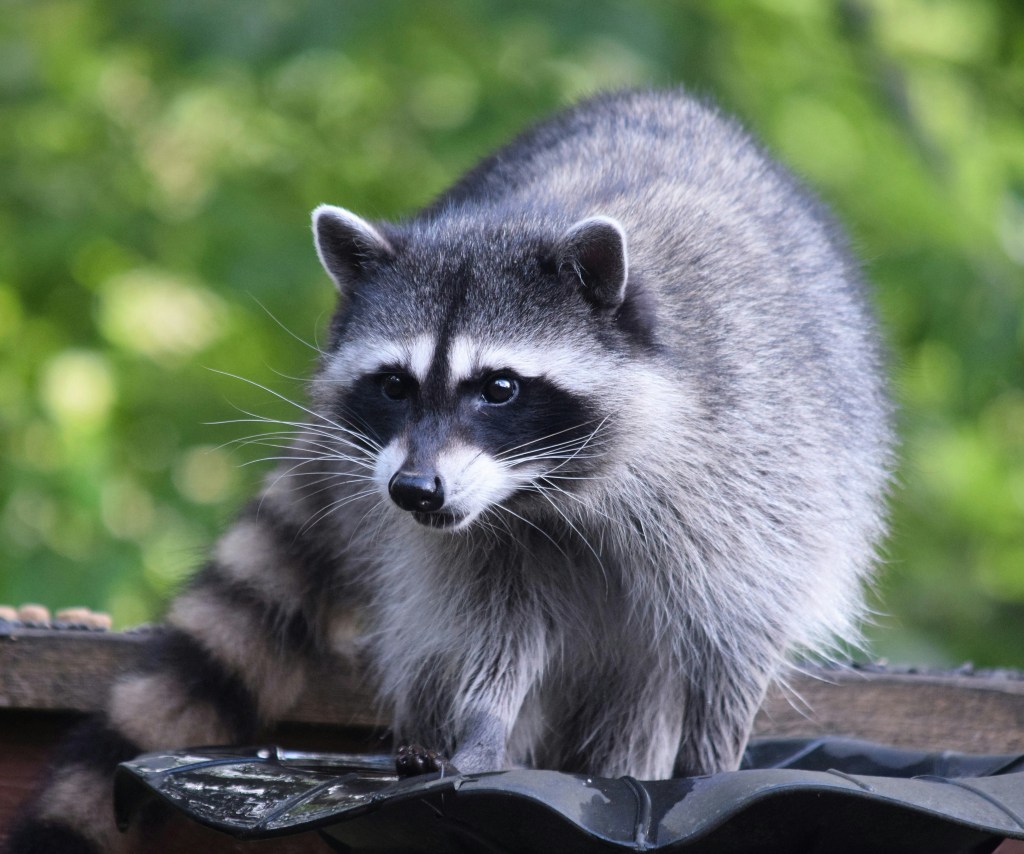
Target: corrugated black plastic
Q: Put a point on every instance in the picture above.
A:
(818, 795)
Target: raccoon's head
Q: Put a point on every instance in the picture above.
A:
(477, 367)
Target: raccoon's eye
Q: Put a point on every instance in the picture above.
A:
(395, 386)
(500, 389)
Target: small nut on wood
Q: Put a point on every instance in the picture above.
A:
(84, 617)
(31, 613)
(99, 620)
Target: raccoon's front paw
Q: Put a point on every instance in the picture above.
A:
(413, 760)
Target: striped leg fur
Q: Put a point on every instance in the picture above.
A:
(231, 658)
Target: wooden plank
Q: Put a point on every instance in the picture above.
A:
(67, 671)
(981, 713)
(70, 672)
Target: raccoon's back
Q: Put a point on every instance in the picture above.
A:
(623, 153)
(754, 291)
(699, 198)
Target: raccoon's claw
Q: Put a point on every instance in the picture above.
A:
(413, 760)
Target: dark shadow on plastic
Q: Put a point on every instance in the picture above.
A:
(814, 795)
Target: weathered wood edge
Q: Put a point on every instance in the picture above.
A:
(979, 713)
(69, 671)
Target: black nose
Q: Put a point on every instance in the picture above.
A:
(413, 491)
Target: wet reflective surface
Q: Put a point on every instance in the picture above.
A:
(791, 794)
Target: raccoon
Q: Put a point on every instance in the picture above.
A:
(599, 438)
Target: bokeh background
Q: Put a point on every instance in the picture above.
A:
(158, 161)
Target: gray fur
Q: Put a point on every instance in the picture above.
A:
(613, 597)
(633, 625)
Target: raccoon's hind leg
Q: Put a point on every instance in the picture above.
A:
(232, 657)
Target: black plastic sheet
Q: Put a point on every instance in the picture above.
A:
(829, 794)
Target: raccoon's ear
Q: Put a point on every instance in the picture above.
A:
(593, 253)
(345, 244)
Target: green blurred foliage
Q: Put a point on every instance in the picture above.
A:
(158, 161)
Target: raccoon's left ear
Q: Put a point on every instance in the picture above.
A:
(592, 253)
(345, 244)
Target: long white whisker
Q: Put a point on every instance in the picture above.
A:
(326, 438)
(539, 458)
(325, 488)
(543, 494)
(316, 415)
(532, 525)
(298, 338)
(332, 480)
(505, 451)
(334, 506)
(539, 487)
(319, 450)
(581, 448)
(380, 517)
(303, 427)
(561, 447)
(291, 472)
(283, 458)
(340, 477)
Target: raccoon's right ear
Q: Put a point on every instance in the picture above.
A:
(592, 254)
(346, 244)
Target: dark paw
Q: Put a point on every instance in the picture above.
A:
(413, 760)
